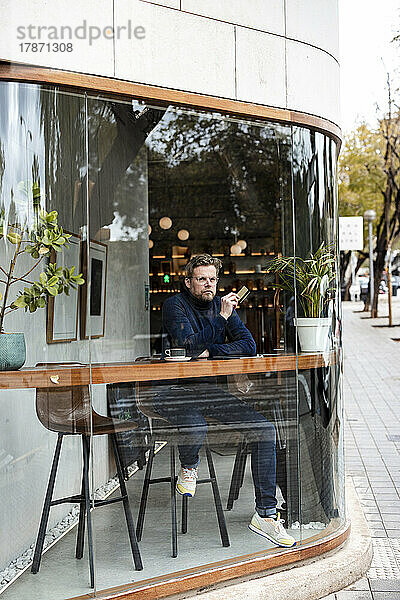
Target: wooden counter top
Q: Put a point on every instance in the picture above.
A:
(101, 373)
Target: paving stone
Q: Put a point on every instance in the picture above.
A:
(385, 563)
(390, 524)
(390, 503)
(386, 484)
(379, 533)
(368, 503)
(386, 596)
(360, 585)
(389, 510)
(354, 595)
(393, 533)
(375, 468)
(373, 517)
(376, 525)
(372, 511)
(382, 497)
(385, 585)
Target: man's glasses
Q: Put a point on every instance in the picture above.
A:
(203, 280)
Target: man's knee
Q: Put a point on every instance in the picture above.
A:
(193, 427)
(266, 431)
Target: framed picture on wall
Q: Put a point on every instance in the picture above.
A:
(62, 310)
(93, 291)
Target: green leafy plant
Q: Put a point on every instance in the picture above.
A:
(37, 238)
(312, 279)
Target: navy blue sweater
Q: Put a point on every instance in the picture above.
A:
(197, 325)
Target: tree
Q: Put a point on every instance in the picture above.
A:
(226, 167)
(360, 183)
(388, 227)
(360, 172)
(369, 176)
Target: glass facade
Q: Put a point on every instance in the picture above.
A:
(144, 366)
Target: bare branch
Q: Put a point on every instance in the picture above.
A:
(34, 267)
(16, 279)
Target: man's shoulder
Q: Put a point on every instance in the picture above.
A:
(175, 300)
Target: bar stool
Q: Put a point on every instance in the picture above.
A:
(67, 411)
(160, 428)
(239, 468)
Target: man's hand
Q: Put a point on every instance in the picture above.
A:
(228, 303)
(204, 354)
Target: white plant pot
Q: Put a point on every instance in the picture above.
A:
(313, 333)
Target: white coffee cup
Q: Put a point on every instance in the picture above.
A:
(175, 352)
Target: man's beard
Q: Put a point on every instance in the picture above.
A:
(208, 295)
(205, 296)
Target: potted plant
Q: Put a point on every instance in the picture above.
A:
(36, 234)
(312, 282)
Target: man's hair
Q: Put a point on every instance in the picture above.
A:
(202, 260)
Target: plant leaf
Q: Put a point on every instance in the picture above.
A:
(19, 302)
(13, 237)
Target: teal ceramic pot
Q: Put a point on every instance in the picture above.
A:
(12, 351)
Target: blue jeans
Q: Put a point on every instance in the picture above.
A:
(187, 407)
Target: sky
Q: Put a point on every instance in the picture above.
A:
(366, 28)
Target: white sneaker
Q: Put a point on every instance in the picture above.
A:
(186, 482)
(272, 529)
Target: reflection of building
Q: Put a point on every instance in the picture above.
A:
(217, 132)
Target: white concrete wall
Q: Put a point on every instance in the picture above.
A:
(281, 53)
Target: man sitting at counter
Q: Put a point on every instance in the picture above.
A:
(208, 326)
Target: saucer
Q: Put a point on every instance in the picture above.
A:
(178, 358)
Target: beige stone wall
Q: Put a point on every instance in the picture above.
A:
(281, 53)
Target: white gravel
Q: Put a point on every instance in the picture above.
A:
(19, 564)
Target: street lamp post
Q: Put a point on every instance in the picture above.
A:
(370, 216)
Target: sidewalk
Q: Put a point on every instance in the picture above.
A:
(372, 403)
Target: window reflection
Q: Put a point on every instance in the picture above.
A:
(227, 184)
(143, 189)
(320, 405)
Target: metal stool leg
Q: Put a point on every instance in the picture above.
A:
(145, 493)
(242, 470)
(46, 507)
(80, 539)
(173, 504)
(141, 460)
(86, 456)
(184, 513)
(233, 489)
(128, 515)
(217, 500)
(117, 450)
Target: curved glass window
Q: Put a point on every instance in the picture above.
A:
(174, 274)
